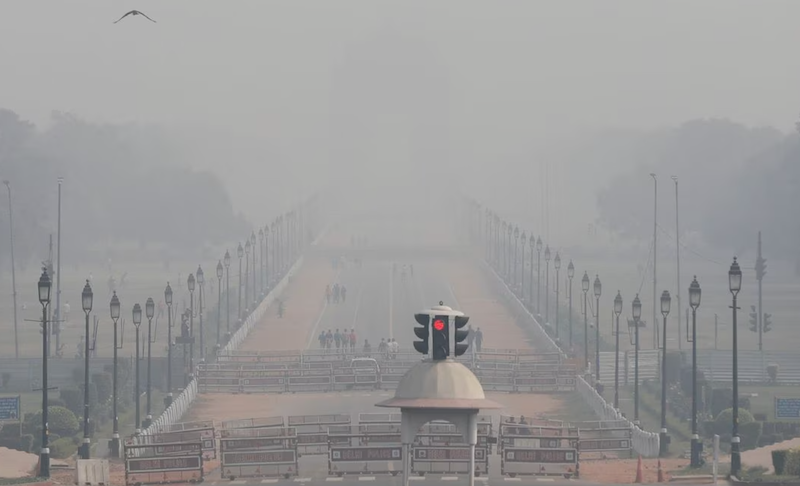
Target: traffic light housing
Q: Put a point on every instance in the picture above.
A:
(422, 332)
(761, 268)
(767, 322)
(753, 319)
(460, 335)
(440, 328)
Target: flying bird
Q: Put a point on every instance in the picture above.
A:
(136, 12)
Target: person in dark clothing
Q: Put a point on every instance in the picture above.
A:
(343, 291)
(478, 339)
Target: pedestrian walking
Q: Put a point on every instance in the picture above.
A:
(344, 293)
(353, 340)
(478, 339)
(337, 339)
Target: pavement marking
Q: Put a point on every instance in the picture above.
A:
(269, 481)
(449, 478)
(366, 478)
(238, 481)
(549, 480)
(416, 478)
(334, 479)
(512, 479)
(302, 480)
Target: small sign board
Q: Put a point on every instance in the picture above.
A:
(366, 454)
(787, 407)
(9, 409)
(448, 454)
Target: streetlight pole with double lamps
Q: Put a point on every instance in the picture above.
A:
(539, 277)
(570, 274)
(694, 302)
(45, 284)
(240, 254)
(137, 321)
(532, 245)
(598, 289)
(267, 267)
(246, 275)
(557, 266)
(523, 240)
(547, 284)
(190, 284)
(636, 312)
(87, 297)
(261, 258)
(219, 300)
(735, 284)
(115, 309)
(255, 255)
(585, 288)
(168, 301)
(149, 312)
(617, 312)
(666, 303)
(516, 250)
(201, 280)
(226, 261)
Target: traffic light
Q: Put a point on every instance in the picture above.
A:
(767, 322)
(753, 319)
(423, 333)
(441, 343)
(460, 335)
(761, 268)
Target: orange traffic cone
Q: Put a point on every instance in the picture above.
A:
(639, 478)
(660, 472)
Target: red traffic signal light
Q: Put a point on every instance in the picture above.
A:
(438, 324)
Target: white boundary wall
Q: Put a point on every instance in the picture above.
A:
(644, 443)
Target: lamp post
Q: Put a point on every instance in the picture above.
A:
(636, 310)
(531, 244)
(598, 288)
(87, 298)
(275, 261)
(557, 266)
(267, 276)
(523, 239)
(694, 303)
(149, 312)
(219, 299)
(261, 258)
(666, 302)
(226, 260)
(168, 301)
(44, 298)
(570, 274)
(547, 284)
(255, 255)
(13, 268)
(617, 312)
(539, 276)
(201, 280)
(585, 288)
(516, 246)
(240, 254)
(115, 307)
(504, 245)
(246, 274)
(190, 284)
(735, 283)
(137, 321)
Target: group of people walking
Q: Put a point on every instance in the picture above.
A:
(341, 340)
(336, 293)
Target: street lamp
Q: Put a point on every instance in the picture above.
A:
(190, 284)
(557, 266)
(532, 245)
(219, 299)
(516, 246)
(201, 280)
(149, 312)
(168, 301)
(137, 321)
(538, 276)
(666, 302)
(44, 298)
(267, 276)
(261, 257)
(694, 303)
(240, 254)
(246, 273)
(87, 298)
(570, 274)
(226, 261)
(585, 288)
(255, 256)
(735, 284)
(636, 310)
(598, 289)
(617, 312)
(523, 239)
(547, 285)
(115, 309)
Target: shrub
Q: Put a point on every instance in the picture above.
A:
(62, 422)
(73, 399)
(792, 464)
(779, 461)
(724, 420)
(26, 443)
(749, 434)
(721, 399)
(63, 448)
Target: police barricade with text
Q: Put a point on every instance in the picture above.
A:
(439, 448)
(354, 378)
(202, 434)
(251, 423)
(368, 448)
(597, 442)
(163, 463)
(539, 451)
(379, 418)
(312, 431)
(261, 452)
(261, 377)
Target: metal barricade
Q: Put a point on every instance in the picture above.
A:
(379, 418)
(203, 435)
(538, 451)
(148, 464)
(270, 453)
(249, 423)
(496, 380)
(451, 459)
(347, 455)
(312, 431)
(597, 442)
(544, 384)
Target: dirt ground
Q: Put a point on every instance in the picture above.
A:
(16, 464)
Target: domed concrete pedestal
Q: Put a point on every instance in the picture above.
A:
(439, 390)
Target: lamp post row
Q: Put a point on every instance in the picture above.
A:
(287, 243)
(498, 254)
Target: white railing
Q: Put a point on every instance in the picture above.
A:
(643, 442)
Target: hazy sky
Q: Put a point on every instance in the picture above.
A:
(306, 85)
